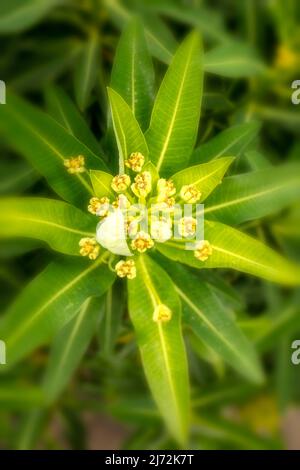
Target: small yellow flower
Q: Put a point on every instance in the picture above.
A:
(75, 164)
(203, 250)
(187, 226)
(162, 313)
(121, 202)
(126, 269)
(285, 58)
(99, 206)
(189, 193)
(120, 183)
(89, 247)
(165, 188)
(170, 201)
(142, 185)
(135, 162)
(142, 242)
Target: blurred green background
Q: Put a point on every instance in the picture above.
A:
(252, 56)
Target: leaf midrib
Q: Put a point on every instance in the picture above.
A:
(232, 62)
(52, 224)
(117, 7)
(71, 338)
(207, 175)
(133, 77)
(249, 260)
(232, 144)
(10, 341)
(107, 188)
(176, 244)
(48, 144)
(63, 115)
(155, 300)
(122, 148)
(178, 100)
(245, 198)
(209, 324)
(91, 49)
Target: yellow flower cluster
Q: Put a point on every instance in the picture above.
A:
(162, 313)
(75, 165)
(89, 247)
(135, 162)
(165, 191)
(190, 194)
(161, 226)
(203, 250)
(99, 206)
(142, 185)
(126, 269)
(165, 188)
(142, 242)
(120, 183)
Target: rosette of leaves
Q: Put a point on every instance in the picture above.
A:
(164, 294)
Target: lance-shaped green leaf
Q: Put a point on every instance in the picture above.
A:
(234, 434)
(17, 15)
(86, 71)
(210, 321)
(11, 398)
(136, 408)
(233, 60)
(128, 133)
(56, 223)
(257, 161)
(273, 325)
(161, 41)
(207, 354)
(63, 110)
(216, 101)
(101, 182)
(287, 118)
(48, 64)
(161, 343)
(234, 249)
(286, 229)
(49, 302)
(31, 428)
(253, 195)
(69, 347)
(16, 176)
(110, 321)
(223, 393)
(205, 176)
(175, 117)
(209, 21)
(159, 37)
(46, 145)
(233, 141)
(133, 75)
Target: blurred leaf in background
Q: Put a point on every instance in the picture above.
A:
(82, 354)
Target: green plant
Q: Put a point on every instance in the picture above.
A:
(62, 302)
